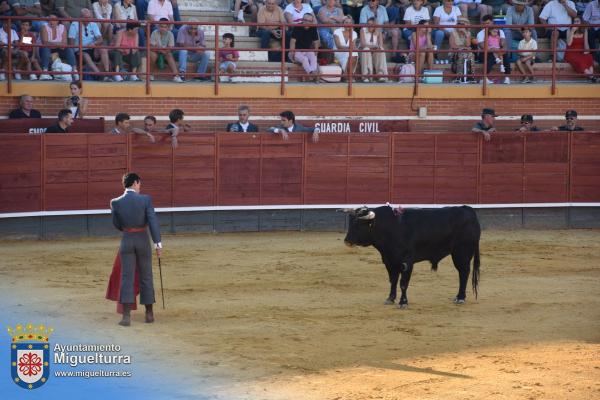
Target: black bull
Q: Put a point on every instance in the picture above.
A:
(412, 235)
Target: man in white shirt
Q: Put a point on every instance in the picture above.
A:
(473, 8)
(158, 9)
(14, 38)
(558, 12)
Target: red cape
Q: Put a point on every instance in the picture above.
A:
(113, 291)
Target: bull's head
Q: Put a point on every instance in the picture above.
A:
(360, 222)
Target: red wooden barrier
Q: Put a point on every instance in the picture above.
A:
(78, 171)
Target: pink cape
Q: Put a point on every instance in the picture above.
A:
(113, 290)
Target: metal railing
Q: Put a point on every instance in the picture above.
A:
(285, 73)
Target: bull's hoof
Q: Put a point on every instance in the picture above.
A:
(459, 301)
(403, 306)
(387, 302)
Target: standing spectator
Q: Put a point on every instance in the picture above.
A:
(571, 125)
(289, 125)
(127, 40)
(103, 10)
(192, 36)
(176, 125)
(473, 8)
(243, 124)
(372, 61)
(28, 8)
(373, 9)
(527, 124)
(123, 127)
(77, 103)
(591, 15)
(25, 109)
(228, 56)
(28, 55)
(581, 60)
(161, 42)
(295, 11)
(305, 39)
(91, 36)
(447, 14)
(497, 36)
(65, 120)
(329, 14)
(72, 8)
(270, 13)
(54, 35)
(14, 38)
(558, 12)
(159, 9)
(343, 37)
(464, 59)
(124, 10)
(527, 59)
(486, 125)
(423, 35)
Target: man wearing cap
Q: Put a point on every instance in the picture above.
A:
(518, 14)
(132, 213)
(527, 124)
(486, 125)
(571, 125)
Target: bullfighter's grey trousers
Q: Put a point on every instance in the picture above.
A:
(135, 250)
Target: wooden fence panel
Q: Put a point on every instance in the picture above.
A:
(326, 170)
(20, 173)
(66, 172)
(456, 161)
(368, 169)
(413, 164)
(154, 164)
(239, 169)
(585, 167)
(281, 169)
(194, 171)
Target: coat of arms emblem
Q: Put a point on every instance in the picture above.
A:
(30, 355)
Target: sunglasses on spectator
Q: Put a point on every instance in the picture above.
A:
(525, 122)
(570, 118)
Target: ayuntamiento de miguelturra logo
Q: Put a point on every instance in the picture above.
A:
(30, 355)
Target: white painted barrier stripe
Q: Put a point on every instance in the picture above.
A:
(293, 207)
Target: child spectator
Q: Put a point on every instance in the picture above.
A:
(161, 41)
(228, 56)
(27, 53)
(527, 59)
(423, 35)
(500, 57)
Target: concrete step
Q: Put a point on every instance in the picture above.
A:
(208, 16)
(186, 6)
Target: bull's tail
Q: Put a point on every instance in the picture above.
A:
(475, 277)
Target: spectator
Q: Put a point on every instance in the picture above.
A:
(343, 37)
(5, 9)
(372, 61)
(124, 10)
(161, 42)
(527, 124)
(28, 55)
(65, 120)
(558, 12)
(486, 125)
(527, 59)
(25, 109)
(498, 7)
(123, 127)
(14, 38)
(47, 7)
(77, 103)
(497, 44)
(270, 13)
(158, 10)
(571, 124)
(423, 35)
(91, 36)
(446, 14)
(72, 8)
(54, 35)
(518, 14)
(242, 7)
(373, 9)
(579, 57)
(176, 125)
(329, 14)
(303, 40)
(354, 9)
(591, 15)
(28, 8)
(103, 10)
(127, 40)
(289, 125)
(473, 8)
(228, 56)
(295, 11)
(464, 59)
(243, 125)
(413, 15)
(150, 123)
(192, 36)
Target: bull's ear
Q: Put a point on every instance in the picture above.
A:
(370, 215)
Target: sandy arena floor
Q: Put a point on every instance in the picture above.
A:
(299, 315)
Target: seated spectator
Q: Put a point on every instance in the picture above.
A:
(518, 14)
(527, 59)
(486, 125)
(103, 10)
(247, 7)
(28, 8)
(71, 8)
(527, 124)
(127, 40)
(423, 35)
(305, 39)
(498, 7)
(161, 42)
(558, 12)
(373, 9)
(373, 61)
(270, 13)
(571, 125)
(192, 36)
(25, 109)
(243, 124)
(580, 58)
(28, 54)
(123, 127)
(343, 36)
(176, 126)
(77, 103)
(14, 38)
(47, 7)
(91, 36)
(413, 15)
(228, 56)
(60, 70)
(496, 48)
(446, 14)
(473, 8)
(289, 125)
(65, 120)
(329, 14)
(591, 16)
(354, 8)
(54, 35)
(159, 10)
(295, 11)
(464, 59)
(124, 10)
(5, 9)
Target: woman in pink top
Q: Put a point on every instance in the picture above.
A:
(127, 41)
(423, 35)
(54, 37)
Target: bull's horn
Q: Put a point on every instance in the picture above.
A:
(346, 210)
(370, 215)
